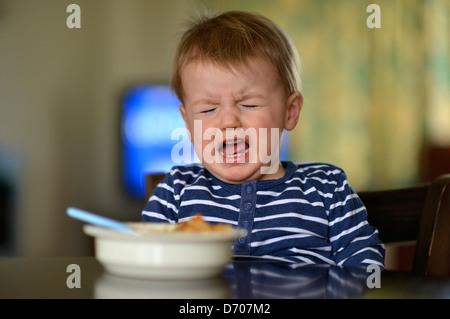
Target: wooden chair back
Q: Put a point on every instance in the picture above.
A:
(421, 214)
(151, 181)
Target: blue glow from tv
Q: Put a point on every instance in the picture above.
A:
(150, 116)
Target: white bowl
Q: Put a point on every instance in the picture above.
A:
(163, 255)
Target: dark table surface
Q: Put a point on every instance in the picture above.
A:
(53, 278)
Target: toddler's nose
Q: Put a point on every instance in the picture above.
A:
(230, 117)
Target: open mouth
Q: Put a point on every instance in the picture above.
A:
(233, 149)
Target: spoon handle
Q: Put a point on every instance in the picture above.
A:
(95, 219)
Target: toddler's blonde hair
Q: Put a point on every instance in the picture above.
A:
(231, 38)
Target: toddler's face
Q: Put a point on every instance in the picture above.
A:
(236, 117)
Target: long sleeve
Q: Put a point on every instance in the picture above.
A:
(354, 241)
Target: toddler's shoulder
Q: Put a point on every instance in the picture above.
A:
(317, 169)
(320, 175)
(330, 181)
(185, 174)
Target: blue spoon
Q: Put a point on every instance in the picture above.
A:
(98, 220)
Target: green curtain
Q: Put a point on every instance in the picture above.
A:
(373, 96)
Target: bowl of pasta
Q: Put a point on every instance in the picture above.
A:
(188, 250)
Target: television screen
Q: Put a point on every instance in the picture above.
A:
(154, 136)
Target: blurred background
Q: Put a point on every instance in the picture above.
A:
(377, 101)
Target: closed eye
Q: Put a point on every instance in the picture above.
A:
(249, 106)
(207, 111)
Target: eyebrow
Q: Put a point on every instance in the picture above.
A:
(203, 101)
(239, 97)
(250, 95)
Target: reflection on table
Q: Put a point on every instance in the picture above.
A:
(113, 287)
(242, 279)
(257, 279)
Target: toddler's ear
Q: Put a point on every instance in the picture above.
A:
(183, 114)
(294, 105)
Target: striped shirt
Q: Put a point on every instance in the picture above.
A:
(311, 215)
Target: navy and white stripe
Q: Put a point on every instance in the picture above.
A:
(311, 215)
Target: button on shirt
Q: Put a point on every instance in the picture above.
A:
(311, 215)
(246, 216)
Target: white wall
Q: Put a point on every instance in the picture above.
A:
(60, 92)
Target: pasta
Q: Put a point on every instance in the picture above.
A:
(198, 224)
(195, 225)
